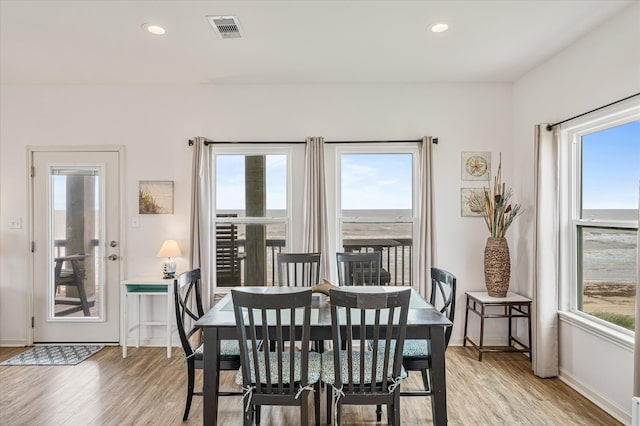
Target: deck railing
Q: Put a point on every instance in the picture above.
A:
(396, 256)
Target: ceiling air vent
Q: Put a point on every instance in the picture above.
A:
(226, 26)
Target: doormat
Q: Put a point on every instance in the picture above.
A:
(54, 355)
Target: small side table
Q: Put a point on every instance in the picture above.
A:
(514, 306)
(146, 286)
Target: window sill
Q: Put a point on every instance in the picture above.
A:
(617, 338)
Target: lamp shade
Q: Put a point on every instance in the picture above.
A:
(169, 248)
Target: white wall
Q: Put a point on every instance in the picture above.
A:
(598, 69)
(154, 124)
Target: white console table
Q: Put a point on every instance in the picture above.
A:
(143, 287)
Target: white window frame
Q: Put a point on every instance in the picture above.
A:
(249, 150)
(570, 221)
(379, 148)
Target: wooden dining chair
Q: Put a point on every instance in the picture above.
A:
(367, 376)
(417, 353)
(298, 269)
(361, 268)
(188, 309)
(283, 376)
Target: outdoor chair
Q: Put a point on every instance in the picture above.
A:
(368, 375)
(283, 376)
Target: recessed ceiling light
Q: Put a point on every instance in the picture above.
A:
(439, 27)
(154, 29)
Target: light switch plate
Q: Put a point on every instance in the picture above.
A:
(15, 223)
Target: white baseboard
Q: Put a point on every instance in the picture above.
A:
(13, 343)
(635, 411)
(622, 414)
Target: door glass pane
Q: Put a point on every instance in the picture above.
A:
(76, 219)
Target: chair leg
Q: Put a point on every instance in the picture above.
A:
(304, 408)
(190, 384)
(329, 394)
(396, 408)
(378, 412)
(316, 403)
(426, 379)
(257, 414)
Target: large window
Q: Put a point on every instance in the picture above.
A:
(252, 215)
(376, 210)
(603, 216)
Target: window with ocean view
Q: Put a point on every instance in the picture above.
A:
(376, 208)
(607, 177)
(252, 216)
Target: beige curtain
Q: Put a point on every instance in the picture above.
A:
(202, 236)
(545, 267)
(427, 256)
(316, 230)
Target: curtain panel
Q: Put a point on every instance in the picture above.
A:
(201, 232)
(546, 254)
(315, 226)
(426, 256)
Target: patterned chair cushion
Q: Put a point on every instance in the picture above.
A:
(328, 374)
(419, 348)
(227, 348)
(313, 373)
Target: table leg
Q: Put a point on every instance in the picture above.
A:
(169, 304)
(211, 376)
(125, 321)
(466, 319)
(138, 297)
(438, 375)
(481, 347)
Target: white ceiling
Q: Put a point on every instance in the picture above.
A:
(295, 41)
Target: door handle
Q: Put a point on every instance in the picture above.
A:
(113, 257)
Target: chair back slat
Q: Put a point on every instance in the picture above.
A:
(443, 295)
(359, 268)
(381, 316)
(298, 269)
(272, 318)
(188, 308)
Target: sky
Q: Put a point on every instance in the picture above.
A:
(611, 167)
(369, 181)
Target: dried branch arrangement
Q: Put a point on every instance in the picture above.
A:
(495, 205)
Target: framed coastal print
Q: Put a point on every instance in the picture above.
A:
(155, 197)
(476, 165)
(466, 194)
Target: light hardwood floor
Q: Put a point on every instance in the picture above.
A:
(146, 388)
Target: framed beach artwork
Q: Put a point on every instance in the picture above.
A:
(465, 195)
(476, 165)
(155, 197)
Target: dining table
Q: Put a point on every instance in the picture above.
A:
(423, 322)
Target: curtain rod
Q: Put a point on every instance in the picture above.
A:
(208, 142)
(551, 126)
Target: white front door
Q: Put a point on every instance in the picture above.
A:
(76, 245)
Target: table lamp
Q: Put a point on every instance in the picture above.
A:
(169, 249)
